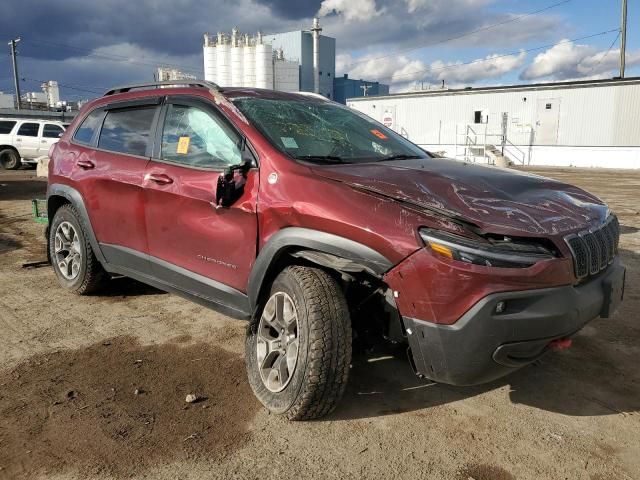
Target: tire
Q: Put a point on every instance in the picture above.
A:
(10, 159)
(82, 274)
(323, 349)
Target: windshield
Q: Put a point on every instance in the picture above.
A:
(325, 132)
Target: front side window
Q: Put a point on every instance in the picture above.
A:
(29, 129)
(127, 130)
(84, 134)
(52, 131)
(325, 132)
(198, 138)
(6, 126)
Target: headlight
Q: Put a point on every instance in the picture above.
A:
(505, 253)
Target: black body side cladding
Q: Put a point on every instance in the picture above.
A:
(304, 238)
(174, 279)
(484, 345)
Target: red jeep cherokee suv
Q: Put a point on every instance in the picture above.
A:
(306, 217)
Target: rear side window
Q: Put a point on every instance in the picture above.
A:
(6, 127)
(29, 129)
(127, 130)
(52, 131)
(85, 132)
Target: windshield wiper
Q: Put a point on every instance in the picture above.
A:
(402, 156)
(322, 158)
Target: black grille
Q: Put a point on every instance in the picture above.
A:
(593, 250)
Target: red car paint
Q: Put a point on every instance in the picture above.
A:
(380, 206)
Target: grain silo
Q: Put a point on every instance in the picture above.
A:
(223, 61)
(209, 51)
(264, 64)
(237, 60)
(249, 67)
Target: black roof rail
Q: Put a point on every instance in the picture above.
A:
(161, 84)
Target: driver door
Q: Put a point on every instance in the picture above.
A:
(194, 245)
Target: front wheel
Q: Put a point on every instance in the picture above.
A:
(298, 353)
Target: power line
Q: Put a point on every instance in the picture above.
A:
(605, 55)
(113, 57)
(472, 32)
(481, 60)
(72, 87)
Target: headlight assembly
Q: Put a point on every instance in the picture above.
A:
(505, 253)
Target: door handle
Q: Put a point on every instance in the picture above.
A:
(85, 164)
(159, 178)
(43, 141)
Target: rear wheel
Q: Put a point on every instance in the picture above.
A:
(10, 159)
(298, 352)
(71, 255)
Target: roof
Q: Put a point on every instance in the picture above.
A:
(506, 88)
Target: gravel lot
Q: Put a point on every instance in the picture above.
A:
(70, 366)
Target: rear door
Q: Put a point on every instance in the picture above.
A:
(27, 140)
(50, 135)
(110, 174)
(190, 239)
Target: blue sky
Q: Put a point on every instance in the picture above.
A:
(89, 46)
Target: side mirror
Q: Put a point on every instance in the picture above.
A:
(231, 183)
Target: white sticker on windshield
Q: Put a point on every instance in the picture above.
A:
(289, 142)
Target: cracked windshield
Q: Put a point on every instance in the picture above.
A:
(323, 132)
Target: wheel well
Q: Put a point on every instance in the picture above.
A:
(9, 147)
(54, 203)
(367, 294)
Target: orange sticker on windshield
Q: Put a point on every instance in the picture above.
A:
(379, 134)
(183, 145)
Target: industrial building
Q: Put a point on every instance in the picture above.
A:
(6, 100)
(345, 87)
(581, 123)
(169, 73)
(302, 60)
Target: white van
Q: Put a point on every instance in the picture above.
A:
(23, 141)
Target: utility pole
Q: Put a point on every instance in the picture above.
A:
(623, 41)
(16, 81)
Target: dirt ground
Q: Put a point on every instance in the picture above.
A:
(94, 387)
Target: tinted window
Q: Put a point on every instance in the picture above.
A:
(127, 131)
(193, 136)
(84, 134)
(29, 129)
(6, 127)
(52, 131)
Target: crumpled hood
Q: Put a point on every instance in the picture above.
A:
(496, 200)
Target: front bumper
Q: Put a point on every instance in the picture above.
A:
(484, 345)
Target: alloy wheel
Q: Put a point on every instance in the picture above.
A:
(68, 255)
(277, 342)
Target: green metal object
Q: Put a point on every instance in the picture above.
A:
(39, 208)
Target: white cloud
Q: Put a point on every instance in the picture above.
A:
(350, 10)
(401, 71)
(492, 66)
(568, 60)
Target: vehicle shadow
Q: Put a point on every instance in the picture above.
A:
(127, 287)
(597, 376)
